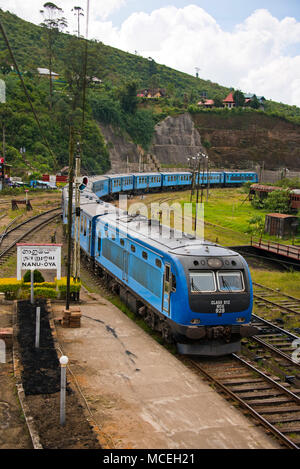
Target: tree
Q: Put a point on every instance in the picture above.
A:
(239, 98)
(254, 103)
(278, 201)
(256, 225)
(152, 66)
(218, 102)
(5, 115)
(154, 82)
(5, 62)
(128, 97)
(53, 24)
(78, 12)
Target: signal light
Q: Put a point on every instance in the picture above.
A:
(84, 183)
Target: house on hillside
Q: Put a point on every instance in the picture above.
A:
(45, 72)
(229, 101)
(152, 93)
(207, 103)
(249, 97)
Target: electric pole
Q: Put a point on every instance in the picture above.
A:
(70, 213)
(76, 263)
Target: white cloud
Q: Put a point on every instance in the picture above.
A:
(30, 9)
(253, 57)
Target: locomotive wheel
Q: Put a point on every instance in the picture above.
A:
(167, 333)
(150, 320)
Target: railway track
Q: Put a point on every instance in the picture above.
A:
(274, 405)
(11, 236)
(278, 301)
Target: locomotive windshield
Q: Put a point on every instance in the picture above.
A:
(226, 281)
(202, 282)
(230, 281)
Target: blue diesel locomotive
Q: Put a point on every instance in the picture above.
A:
(197, 294)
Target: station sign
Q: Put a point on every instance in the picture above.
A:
(38, 257)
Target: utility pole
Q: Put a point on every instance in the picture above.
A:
(208, 180)
(70, 214)
(76, 262)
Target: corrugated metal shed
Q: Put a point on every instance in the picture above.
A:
(281, 225)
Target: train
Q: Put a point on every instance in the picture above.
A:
(111, 185)
(197, 294)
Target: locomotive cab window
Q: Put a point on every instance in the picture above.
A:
(230, 281)
(202, 282)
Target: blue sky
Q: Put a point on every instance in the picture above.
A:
(253, 46)
(228, 13)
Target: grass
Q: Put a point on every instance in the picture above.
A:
(287, 282)
(226, 214)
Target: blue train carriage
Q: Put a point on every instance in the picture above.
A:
(215, 178)
(99, 185)
(146, 182)
(199, 295)
(238, 178)
(115, 184)
(184, 180)
(91, 208)
(127, 183)
(171, 180)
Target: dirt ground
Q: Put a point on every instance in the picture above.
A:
(13, 429)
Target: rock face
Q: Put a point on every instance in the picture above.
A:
(124, 155)
(175, 139)
(243, 140)
(234, 140)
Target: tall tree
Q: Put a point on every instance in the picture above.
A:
(78, 11)
(239, 98)
(53, 23)
(128, 97)
(255, 104)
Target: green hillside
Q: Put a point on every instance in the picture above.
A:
(113, 102)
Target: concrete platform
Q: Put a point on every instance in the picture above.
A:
(143, 397)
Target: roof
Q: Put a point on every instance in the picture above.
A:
(207, 102)
(280, 215)
(262, 188)
(229, 98)
(46, 71)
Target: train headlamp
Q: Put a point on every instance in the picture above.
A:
(215, 263)
(195, 321)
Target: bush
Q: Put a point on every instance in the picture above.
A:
(40, 284)
(42, 292)
(10, 286)
(37, 277)
(278, 201)
(62, 286)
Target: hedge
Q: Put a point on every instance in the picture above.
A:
(14, 288)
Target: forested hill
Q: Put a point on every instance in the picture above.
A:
(113, 102)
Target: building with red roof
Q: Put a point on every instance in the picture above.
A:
(208, 103)
(229, 101)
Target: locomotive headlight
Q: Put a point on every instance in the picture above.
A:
(215, 263)
(240, 319)
(195, 321)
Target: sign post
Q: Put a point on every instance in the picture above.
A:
(38, 257)
(32, 287)
(37, 327)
